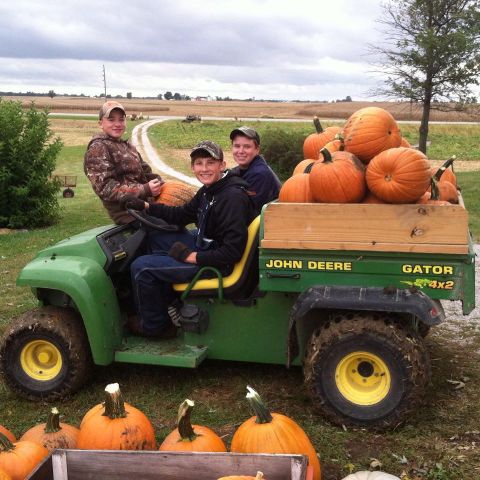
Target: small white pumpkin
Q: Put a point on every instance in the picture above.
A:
(367, 475)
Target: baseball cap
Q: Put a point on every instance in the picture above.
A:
(210, 147)
(247, 132)
(107, 107)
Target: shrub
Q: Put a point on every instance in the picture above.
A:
(27, 159)
(283, 150)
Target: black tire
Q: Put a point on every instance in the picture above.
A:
(366, 369)
(68, 193)
(45, 353)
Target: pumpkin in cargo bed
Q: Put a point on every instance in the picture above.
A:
(267, 432)
(53, 434)
(191, 438)
(399, 175)
(340, 178)
(316, 141)
(115, 425)
(369, 131)
(296, 189)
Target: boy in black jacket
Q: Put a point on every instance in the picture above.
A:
(221, 210)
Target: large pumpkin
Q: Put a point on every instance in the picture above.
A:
(399, 175)
(175, 194)
(191, 438)
(369, 131)
(259, 476)
(115, 425)
(296, 189)
(267, 432)
(316, 141)
(53, 434)
(340, 178)
(5, 476)
(18, 459)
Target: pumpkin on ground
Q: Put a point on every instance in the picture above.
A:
(18, 459)
(267, 432)
(340, 178)
(8, 433)
(115, 425)
(367, 475)
(316, 141)
(53, 434)
(175, 194)
(399, 175)
(369, 131)
(191, 438)
(296, 189)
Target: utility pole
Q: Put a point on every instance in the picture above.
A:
(104, 82)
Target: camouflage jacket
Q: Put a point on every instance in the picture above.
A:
(115, 168)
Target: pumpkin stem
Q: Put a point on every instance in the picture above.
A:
(53, 421)
(5, 443)
(339, 136)
(447, 164)
(435, 195)
(114, 406)
(318, 125)
(184, 424)
(261, 411)
(309, 167)
(327, 156)
(259, 476)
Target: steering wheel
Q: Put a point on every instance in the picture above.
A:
(153, 222)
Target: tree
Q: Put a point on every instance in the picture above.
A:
(129, 94)
(28, 196)
(430, 54)
(159, 96)
(168, 95)
(51, 93)
(177, 96)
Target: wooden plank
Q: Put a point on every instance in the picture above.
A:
(109, 465)
(59, 464)
(405, 228)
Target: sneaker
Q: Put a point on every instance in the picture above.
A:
(174, 315)
(133, 324)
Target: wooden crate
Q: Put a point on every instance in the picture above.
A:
(366, 227)
(110, 465)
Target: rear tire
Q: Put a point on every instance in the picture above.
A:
(45, 353)
(366, 369)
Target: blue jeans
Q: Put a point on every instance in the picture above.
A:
(152, 277)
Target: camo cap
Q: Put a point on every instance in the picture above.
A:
(107, 108)
(246, 132)
(208, 146)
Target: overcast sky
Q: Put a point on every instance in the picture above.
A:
(266, 49)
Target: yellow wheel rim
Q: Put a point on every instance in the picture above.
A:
(41, 360)
(363, 378)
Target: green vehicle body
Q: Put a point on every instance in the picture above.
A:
(75, 269)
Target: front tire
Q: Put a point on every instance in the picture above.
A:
(45, 353)
(366, 369)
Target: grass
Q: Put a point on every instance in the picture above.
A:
(440, 441)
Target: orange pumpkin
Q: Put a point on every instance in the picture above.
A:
(175, 194)
(267, 432)
(53, 434)
(316, 141)
(369, 131)
(18, 459)
(337, 144)
(191, 438)
(8, 433)
(4, 475)
(340, 178)
(399, 175)
(304, 166)
(115, 425)
(296, 189)
(445, 173)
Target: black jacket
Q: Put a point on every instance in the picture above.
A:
(222, 213)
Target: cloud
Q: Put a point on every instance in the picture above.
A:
(247, 48)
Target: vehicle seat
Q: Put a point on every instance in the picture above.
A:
(242, 271)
